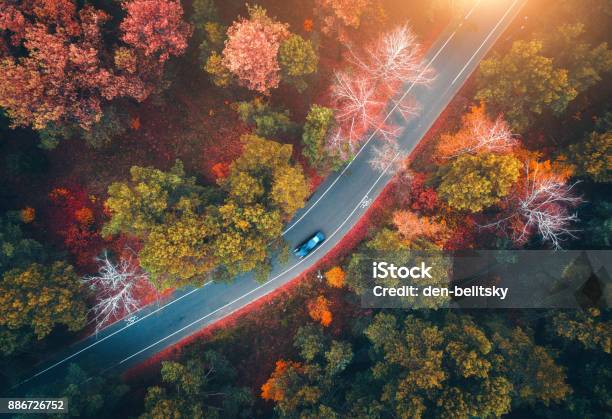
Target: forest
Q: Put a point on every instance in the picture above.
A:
(150, 145)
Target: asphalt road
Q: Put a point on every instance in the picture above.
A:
(335, 208)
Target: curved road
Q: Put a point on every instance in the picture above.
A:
(335, 208)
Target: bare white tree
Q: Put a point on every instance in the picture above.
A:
(394, 59)
(386, 157)
(543, 207)
(361, 96)
(115, 286)
(482, 135)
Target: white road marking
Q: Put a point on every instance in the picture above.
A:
(473, 8)
(485, 41)
(371, 136)
(112, 334)
(302, 260)
(358, 206)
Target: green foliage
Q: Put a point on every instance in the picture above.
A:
(319, 123)
(214, 38)
(473, 183)
(592, 329)
(189, 231)
(598, 230)
(89, 397)
(38, 298)
(298, 59)
(164, 209)
(585, 64)
(524, 84)
(112, 124)
(220, 75)
(196, 388)
(16, 250)
(268, 122)
(593, 156)
(204, 11)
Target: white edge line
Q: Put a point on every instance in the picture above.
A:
(486, 40)
(289, 228)
(109, 336)
(370, 138)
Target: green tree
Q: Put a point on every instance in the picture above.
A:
(593, 156)
(220, 75)
(268, 122)
(166, 211)
(523, 84)
(598, 228)
(38, 298)
(88, 396)
(16, 250)
(200, 386)
(473, 183)
(319, 123)
(585, 64)
(298, 60)
(592, 329)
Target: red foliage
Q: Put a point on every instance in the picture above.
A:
(67, 71)
(155, 27)
(75, 218)
(422, 198)
(251, 50)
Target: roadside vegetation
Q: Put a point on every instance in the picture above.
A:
(146, 145)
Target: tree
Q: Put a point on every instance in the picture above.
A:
(220, 75)
(199, 386)
(38, 298)
(163, 209)
(251, 50)
(386, 158)
(585, 64)
(338, 16)
(59, 70)
(531, 368)
(540, 204)
(593, 156)
(592, 329)
(297, 59)
(360, 95)
(411, 226)
(89, 396)
(305, 388)
(478, 134)
(318, 125)
(269, 163)
(598, 229)
(335, 277)
(474, 183)
(155, 27)
(458, 368)
(319, 311)
(523, 84)
(16, 250)
(116, 287)
(268, 122)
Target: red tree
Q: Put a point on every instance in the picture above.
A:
(57, 68)
(251, 50)
(155, 27)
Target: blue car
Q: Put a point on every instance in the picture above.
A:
(309, 245)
